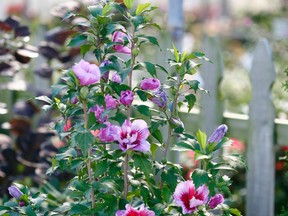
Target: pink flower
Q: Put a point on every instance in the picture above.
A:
(116, 78)
(67, 125)
(159, 98)
(133, 136)
(216, 200)
(126, 97)
(111, 103)
(108, 133)
(134, 212)
(120, 37)
(188, 198)
(150, 84)
(86, 73)
(98, 111)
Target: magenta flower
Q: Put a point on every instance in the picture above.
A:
(99, 113)
(216, 200)
(108, 133)
(116, 78)
(133, 136)
(86, 73)
(218, 134)
(120, 37)
(150, 84)
(134, 212)
(15, 192)
(111, 103)
(126, 97)
(188, 198)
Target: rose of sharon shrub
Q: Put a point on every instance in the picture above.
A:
(86, 73)
(133, 136)
(134, 212)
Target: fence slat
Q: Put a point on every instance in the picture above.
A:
(260, 156)
(211, 107)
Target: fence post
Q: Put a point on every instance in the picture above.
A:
(211, 108)
(260, 156)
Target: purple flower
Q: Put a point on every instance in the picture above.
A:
(134, 212)
(150, 84)
(98, 111)
(126, 97)
(15, 192)
(86, 73)
(120, 37)
(111, 103)
(159, 98)
(133, 136)
(105, 75)
(216, 200)
(188, 198)
(218, 134)
(116, 78)
(108, 133)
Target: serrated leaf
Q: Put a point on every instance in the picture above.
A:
(77, 40)
(199, 177)
(83, 140)
(142, 7)
(141, 162)
(191, 99)
(100, 168)
(144, 110)
(193, 84)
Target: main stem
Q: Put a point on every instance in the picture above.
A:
(125, 164)
(89, 159)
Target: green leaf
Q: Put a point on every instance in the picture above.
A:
(142, 7)
(235, 211)
(45, 99)
(166, 194)
(150, 68)
(107, 9)
(128, 3)
(119, 117)
(77, 40)
(185, 146)
(151, 39)
(193, 84)
(100, 168)
(83, 139)
(176, 53)
(29, 211)
(95, 10)
(144, 110)
(191, 99)
(78, 209)
(157, 135)
(84, 49)
(154, 147)
(141, 162)
(71, 152)
(202, 138)
(142, 95)
(2, 208)
(199, 177)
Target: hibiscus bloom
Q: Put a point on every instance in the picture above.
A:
(133, 136)
(134, 212)
(188, 198)
(121, 37)
(86, 73)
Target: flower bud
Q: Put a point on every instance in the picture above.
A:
(84, 92)
(150, 84)
(216, 200)
(15, 192)
(126, 97)
(159, 98)
(218, 134)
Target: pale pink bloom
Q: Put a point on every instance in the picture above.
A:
(121, 37)
(108, 133)
(95, 133)
(116, 78)
(99, 113)
(150, 84)
(86, 73)
(126, 97)
(134, 212)
(67, 125)
(216, 200)
(188, 198)
(111, 103)
(133, 136)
